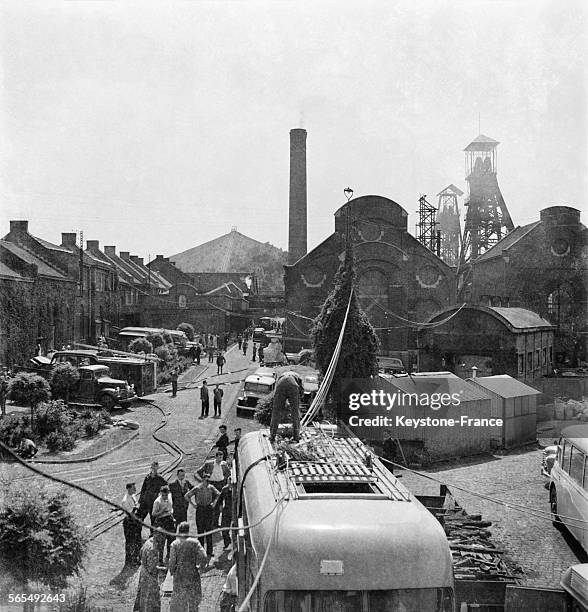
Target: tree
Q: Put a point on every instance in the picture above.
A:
(29, 389)
(39, 538)
(188, 329)
(141, 345)
(156, 340)
(64, 378)
(358, 356)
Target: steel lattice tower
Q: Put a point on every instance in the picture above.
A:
(449, 225)
(487, 218)
(427, 233)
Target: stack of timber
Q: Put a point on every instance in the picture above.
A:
(475, 557)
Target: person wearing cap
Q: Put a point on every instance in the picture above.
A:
(179, 487)
(149, 491)
(131, 527)
(205, 496)
(186, 556)
(288, 388)
(217, 395)
(222, 441)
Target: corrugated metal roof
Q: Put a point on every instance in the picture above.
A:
(43, 268)
(521, 318)
(504, 385)
(436, 382)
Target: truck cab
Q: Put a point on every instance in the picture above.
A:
(96, 386)
(256, 387)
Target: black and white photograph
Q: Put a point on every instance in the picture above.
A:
(293, 306)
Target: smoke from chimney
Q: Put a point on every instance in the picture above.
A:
(298, 203)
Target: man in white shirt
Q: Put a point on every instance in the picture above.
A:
(219, 473)
(163, 517)
(131, 526)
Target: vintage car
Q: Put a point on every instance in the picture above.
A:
(310, 384)
(391, 365)
(302, 357)
(255, 388)
(97, 387)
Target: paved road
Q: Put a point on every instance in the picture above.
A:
(107, 584)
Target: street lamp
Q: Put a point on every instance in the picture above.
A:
(348, 193)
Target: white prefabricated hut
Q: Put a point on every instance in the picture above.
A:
(515, 403)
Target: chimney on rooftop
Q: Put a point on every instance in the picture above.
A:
(110, 251)
(125, 255)
(19, 227)
(68, 239)
(93, 244)
(297, 202)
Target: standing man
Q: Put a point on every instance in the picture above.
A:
(131, 527)
(389, 451)
(217, 396)
(198, 352)
(174, 381)
(220, 362)
(179, 487)
(219, 473)
(163, 512)
(239, 340)
(222, 441)
(225, 507)
(3, 390)
(205, 496)
(210, 353)
(205, 399)
(288, 387)
(149, 492)
(260, 354)
(235, 440)
(186, 555)
(254, 351)
(245, 344)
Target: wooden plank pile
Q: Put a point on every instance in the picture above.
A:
(475, 557)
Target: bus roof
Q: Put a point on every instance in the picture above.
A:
(339, 511)
(578, 435)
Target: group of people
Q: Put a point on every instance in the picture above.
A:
(257, 348)
(167, 506)
(217, 399)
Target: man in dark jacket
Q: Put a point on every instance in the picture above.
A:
(223, 441)
(150, 491)
(205, 399)
(179, 487)
(288, 388)
(198, 353)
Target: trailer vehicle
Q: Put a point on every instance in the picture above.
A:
(337, 532)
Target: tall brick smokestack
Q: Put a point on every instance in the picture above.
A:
(297, 209)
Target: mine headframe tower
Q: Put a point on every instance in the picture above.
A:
(487, 218)
(428, 235)
(449, 224)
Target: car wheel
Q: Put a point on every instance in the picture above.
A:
(553, 507)
(107, 402)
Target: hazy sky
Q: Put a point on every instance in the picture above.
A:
(158, 126)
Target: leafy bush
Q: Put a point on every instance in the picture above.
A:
(156, 340)
(264, 409)
(39, 538)
(53, 416)
(141, 345)
(188, 329)
(14, 427)
(28, 389)
(167, 338)
(64, 378)
(60, 441)
(163, 353)
(92, 425)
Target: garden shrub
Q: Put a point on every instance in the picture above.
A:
(60, 441)
(52, 416)
(28, 389)
(14, 427)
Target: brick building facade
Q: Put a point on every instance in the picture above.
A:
(399, 281)
(543, 267)
(494, 340)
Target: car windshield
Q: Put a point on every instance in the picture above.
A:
(254, 387)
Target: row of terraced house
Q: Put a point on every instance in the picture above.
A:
(53, 295)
